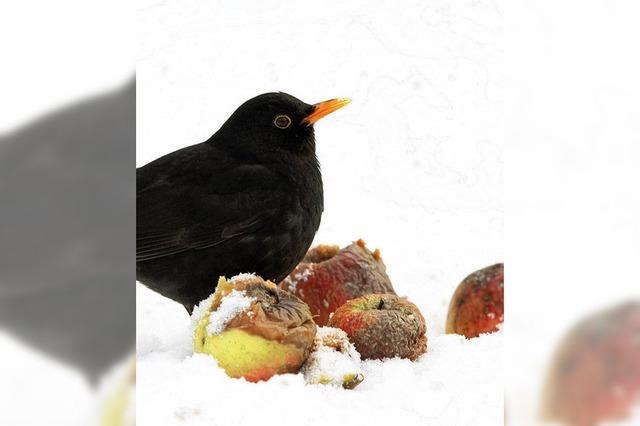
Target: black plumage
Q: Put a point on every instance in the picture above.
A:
(68, 202)
(249, 199)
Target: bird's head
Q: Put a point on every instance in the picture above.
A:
(274, 123)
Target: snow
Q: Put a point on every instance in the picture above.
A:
(457, 381)
(36, 386)
(32, 379)
(200, 310)
(327, 362)
(231, 305)
(245, 276)
(293, 279)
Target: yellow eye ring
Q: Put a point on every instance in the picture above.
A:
(282, 121)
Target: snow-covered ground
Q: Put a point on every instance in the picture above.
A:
(413, 166)
(457, 382)
(32, 379)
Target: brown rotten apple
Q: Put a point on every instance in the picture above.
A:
(327, 277)
(253, 329)
(382, 326)
(477, 305)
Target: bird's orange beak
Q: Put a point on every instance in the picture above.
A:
(324, 108)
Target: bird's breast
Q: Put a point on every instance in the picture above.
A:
(297, 220)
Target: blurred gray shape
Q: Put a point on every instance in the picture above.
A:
(67, 227)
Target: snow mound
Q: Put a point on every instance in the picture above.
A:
(334, 360)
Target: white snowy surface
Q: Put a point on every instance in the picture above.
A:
(33, 383)
(457, 382)
(413, 166)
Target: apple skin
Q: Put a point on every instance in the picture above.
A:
(329, 276)
(383, 326)
(477, 305)
(594, 375)
(274, 335)
(255, 358)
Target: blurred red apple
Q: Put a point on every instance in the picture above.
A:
(595, 374)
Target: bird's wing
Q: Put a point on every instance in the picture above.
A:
(201, 207)
(181, 236)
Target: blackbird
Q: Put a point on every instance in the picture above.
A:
(249, 199)
(66, 185)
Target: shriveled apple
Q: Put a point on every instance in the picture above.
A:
(329, 276)
(253, 329)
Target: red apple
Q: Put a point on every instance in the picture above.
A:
(383, 326)
(477, 305)
(327, 277)
(595, 374)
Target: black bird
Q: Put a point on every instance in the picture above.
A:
(68, 202)
(249, 199)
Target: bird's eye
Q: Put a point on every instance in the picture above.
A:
(282, 121)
